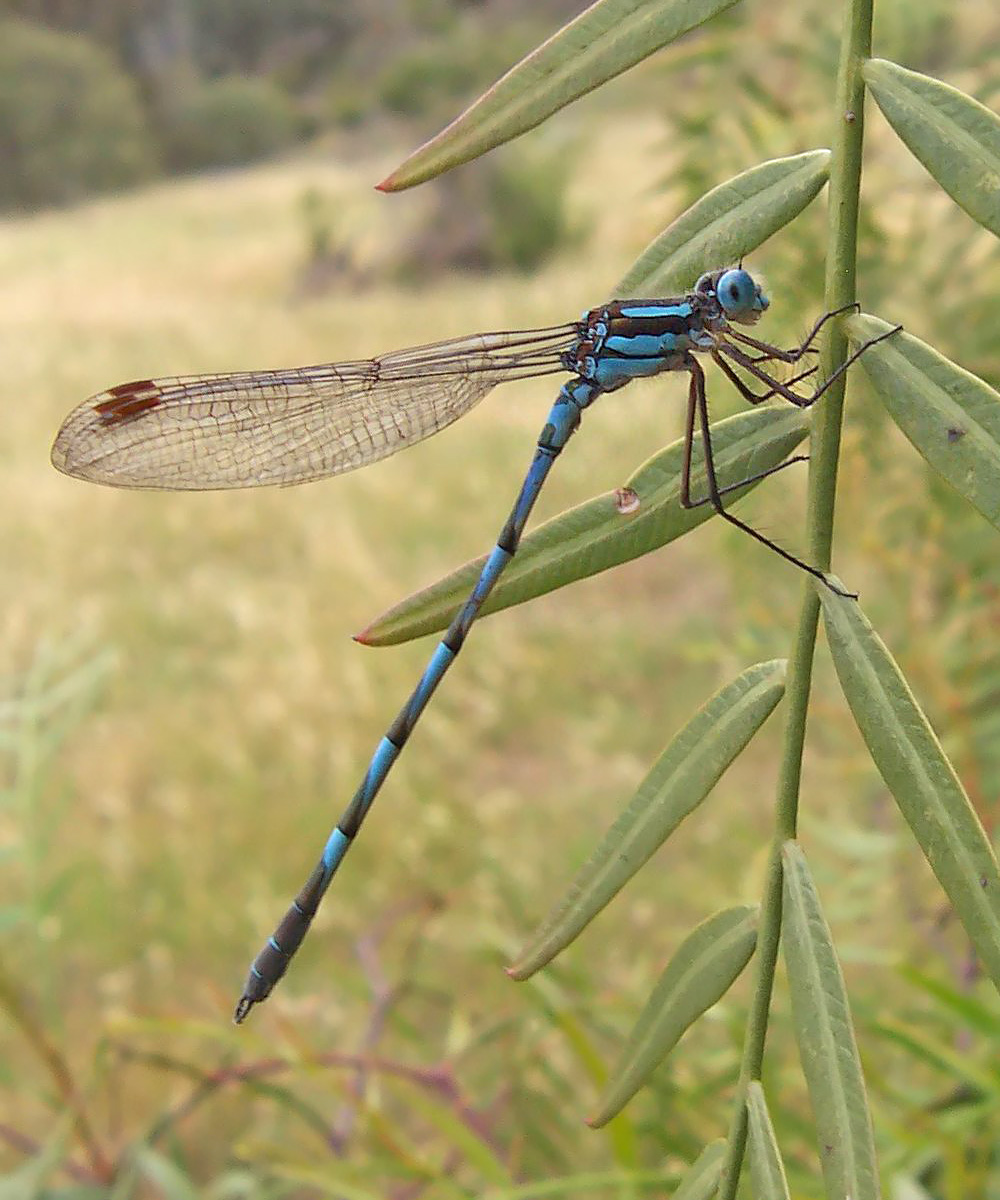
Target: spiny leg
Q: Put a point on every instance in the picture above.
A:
(746, 391)
(791, 356)
(685, 496)
(698, 403)
(735, 487)
(783, 389)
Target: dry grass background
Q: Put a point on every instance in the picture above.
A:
(154, 847)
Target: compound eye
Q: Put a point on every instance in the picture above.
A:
(737, 292)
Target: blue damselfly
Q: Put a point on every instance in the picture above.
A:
(281, 427)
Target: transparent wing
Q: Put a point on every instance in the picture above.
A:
(279, 427)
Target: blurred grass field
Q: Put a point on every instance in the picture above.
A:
(155, 844)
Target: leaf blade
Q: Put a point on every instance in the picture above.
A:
(767, 1171)
(955, 137)
(950, 415)
(699, 974)
(825, 1033)
(602, 42)
(701, 1179)
(597, 535)
(917, 772)
(729, 221)
(678, 782)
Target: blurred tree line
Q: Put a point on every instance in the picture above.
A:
(100, 94)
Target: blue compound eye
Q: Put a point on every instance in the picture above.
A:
(738, 294)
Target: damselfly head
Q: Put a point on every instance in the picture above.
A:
(737, 294)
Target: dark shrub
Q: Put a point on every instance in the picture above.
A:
(229, 121)
(71, 121)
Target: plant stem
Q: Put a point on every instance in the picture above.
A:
(841, 268)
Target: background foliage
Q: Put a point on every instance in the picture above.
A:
(183, 709)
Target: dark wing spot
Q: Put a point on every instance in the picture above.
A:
(128, 401)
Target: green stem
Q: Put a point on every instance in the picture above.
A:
(844, 192)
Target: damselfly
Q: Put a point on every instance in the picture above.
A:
(280, 427)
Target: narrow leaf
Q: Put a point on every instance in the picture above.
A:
(955, 137)
(165, 1176)
(602, 533)
(905, 1187)
(920, 777)
(680, 779)
(950, 416)
(956, 1004)
(730, 221)
(827, 1049)
(956, 1067)
(767, 1172)
(34, 1179)
(699, 974)
(701, 1180)
(602, 42)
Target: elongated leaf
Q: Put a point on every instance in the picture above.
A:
(956, 1067)
(825, 1034)
(918, 774)
(730, 221)
(699, 974)
(34, 1179)
(950, 416)
(680, 779)
(602, 533)
(905, 1187)
(701, 1180)
(766, 1168)
(955, 137)
(166, 1177)
(602, 42)
(954, 1004)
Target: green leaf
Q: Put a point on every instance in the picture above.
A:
(956, 1067)
(465, 1140)
(950, 416)
(730, 221)
(827, 1049)
(955, 1004)
(701, 1180)
(680, 779)
(597, 535)
(602, 42)
(32, 1179)
(920, 777)
(164, 1174)
(767, 1171)
(955, 137)
(904, 1187)
(699, 974)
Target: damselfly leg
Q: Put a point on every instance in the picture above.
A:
(770, 353)
(697, 409)
(776, 387)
